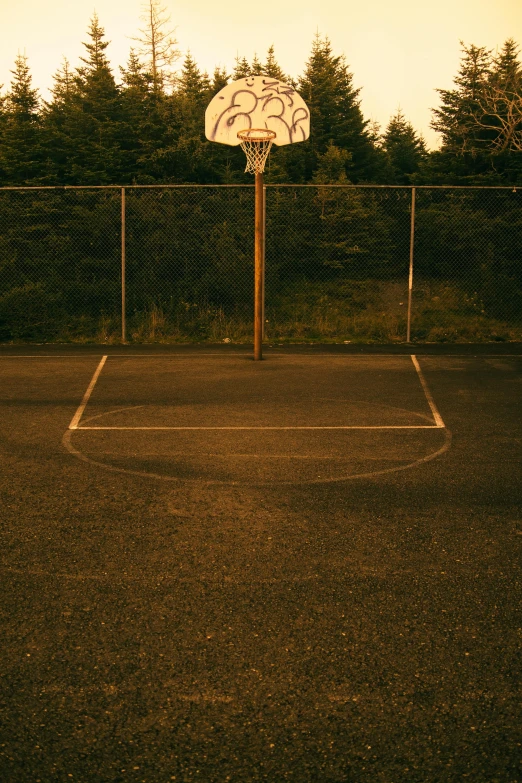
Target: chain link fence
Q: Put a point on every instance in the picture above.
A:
(343, 263)
(59, 263)
(337, 263)
(467, 265)
(190, 263)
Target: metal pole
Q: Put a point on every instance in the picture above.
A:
(123, 323)
(410, 280)
(258, 273)
(264, 257)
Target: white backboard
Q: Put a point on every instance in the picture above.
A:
(257, 102)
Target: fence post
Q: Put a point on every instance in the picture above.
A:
(410, 280)
(123, 323)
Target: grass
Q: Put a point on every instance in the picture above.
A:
(360, 311)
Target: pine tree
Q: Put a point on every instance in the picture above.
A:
(405, 150)
(241, 68)
(84, 123)
(189, 152)
(220, 80)
(145, 126)
(455, 119)
(96, 123)
(64, 83)
(192, 84)
(21, 152)
(256, 69)
(271, 66)
(480, 120)
(57, 121)
(331, 166)
(135, 79)
(336, 117)
(506, 70)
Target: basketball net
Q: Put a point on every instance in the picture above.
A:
(256, 144)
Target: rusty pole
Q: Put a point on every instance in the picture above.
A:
(258, 273)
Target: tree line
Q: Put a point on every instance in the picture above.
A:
(147, 125)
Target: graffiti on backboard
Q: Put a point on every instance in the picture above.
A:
(258, 102)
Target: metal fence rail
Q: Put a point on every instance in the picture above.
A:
(343, 263)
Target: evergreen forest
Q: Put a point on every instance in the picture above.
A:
(337, 259)
(144, 125)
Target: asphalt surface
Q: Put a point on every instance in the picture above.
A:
(261, 605)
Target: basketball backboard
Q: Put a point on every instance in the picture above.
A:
(257, 102)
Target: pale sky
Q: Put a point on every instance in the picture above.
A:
(399, 51)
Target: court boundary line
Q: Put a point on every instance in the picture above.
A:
(431, 402)
(79, 411)
(439, 423)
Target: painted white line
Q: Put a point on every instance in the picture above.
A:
(67, 438)
(77, 416)
(355, 427)
(431, 402)
(51, 356)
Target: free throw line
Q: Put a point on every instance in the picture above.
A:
(431, 402)
(439, 423)
(354, 427)
(77, 416)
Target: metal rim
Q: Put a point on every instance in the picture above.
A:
(256, 134)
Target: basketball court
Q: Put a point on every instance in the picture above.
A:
(221, 569)
(292, 419)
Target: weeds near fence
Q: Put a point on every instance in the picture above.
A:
(360, 311)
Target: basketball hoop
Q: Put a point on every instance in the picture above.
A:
(256, 144)
(277, 114)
